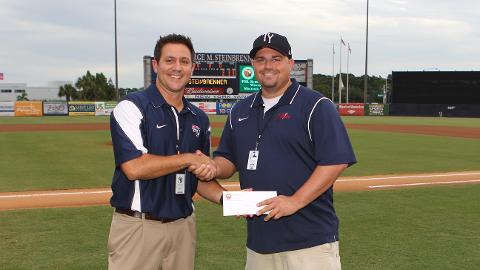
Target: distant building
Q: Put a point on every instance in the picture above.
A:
(10, 91)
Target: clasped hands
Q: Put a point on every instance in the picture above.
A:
(203, 167)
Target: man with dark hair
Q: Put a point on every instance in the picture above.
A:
(158, 139)
(290, 139)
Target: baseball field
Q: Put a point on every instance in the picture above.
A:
(410, 203)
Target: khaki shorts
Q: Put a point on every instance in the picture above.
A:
(138, 243)
(324, 257)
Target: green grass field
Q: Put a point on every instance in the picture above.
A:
(73, 159)
(414, 228)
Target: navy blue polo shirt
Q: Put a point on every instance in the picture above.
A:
(143, 122)
(302, 131)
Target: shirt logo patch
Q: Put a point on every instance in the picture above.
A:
(283, 116)
(241, 119)
(196, 130)
(161, 126)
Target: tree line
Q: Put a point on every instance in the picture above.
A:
(375, 87)
(91, 87)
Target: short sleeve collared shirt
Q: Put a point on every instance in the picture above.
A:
(302, 131)
(142, 123)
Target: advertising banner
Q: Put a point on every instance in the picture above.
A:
(376, 109)
(7, 108)
(55, 108)
(248, 83)
(210, 86)
(357, 109)
(109, 106)
(104, 107)
(76, 108)
(207, 107)
(224, 107)
(28, 108)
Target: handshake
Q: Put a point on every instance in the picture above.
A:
(202, 166)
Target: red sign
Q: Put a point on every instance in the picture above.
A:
(351, 109)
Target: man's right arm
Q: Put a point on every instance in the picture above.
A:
(132, 156)
(148, 166)
(223, 168)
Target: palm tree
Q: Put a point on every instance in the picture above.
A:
(23, 97)
(87, 86)
(68, 91)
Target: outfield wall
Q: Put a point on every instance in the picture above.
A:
(56, 108)
(437, 110)
(97, 108)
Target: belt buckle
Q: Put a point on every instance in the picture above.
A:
(137, 214)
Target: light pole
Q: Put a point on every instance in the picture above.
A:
(365, 79)
(116, 62)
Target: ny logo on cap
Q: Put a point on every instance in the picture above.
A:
(269, 36)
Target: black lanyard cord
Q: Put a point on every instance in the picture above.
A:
(266, 122)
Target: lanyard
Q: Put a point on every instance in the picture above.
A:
(261, 129)
(177, 122)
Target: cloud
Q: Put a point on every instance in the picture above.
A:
(59, 40)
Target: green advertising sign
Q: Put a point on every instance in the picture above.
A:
(248, 83)
(377, 109)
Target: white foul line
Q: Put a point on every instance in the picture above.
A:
(408, 176)
(237, 185)
(426, 184)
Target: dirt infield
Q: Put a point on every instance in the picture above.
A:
(87, 197)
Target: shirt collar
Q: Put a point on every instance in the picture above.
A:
(158, 100)
(287, 98)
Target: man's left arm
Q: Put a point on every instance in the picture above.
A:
(322, 178)
(210, 190)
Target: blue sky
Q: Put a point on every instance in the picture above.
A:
(53, 40)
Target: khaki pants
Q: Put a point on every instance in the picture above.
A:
(322, 257)
(137, 243)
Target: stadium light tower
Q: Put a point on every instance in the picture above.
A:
(116, 62)
(365, 79)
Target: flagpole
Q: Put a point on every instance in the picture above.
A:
(348, 58)
(333, 72)
(365, 78)
(340, 76)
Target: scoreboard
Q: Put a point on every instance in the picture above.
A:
(436, 87)
(226, 75)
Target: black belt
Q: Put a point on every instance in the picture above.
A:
(148, 216)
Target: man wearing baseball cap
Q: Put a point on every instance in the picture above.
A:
(290, 139)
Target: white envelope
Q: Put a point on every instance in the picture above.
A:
(244, 202)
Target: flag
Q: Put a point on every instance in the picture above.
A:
(349, 49)
(343, 42)
(340, 83)
(1, 76)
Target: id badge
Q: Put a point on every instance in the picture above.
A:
(252, 160)
(180, 183)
